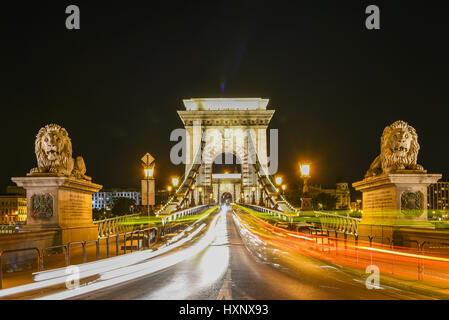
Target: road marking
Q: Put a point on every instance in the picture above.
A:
(225, 291)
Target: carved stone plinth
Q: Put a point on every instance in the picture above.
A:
(61, 204)
(395, 200)
(306, 204)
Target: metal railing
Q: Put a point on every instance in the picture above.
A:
(123, 243)
(338, 222)
(5, 252)
(142, 239)
(334, 242)
(186, 212)
(271, 212)
(114, 225)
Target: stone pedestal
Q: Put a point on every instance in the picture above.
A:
(60, 204)
(393, 201)
(306, 204)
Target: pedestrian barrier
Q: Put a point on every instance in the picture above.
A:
(121, 243)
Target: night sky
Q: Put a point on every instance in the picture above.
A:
(116, 84)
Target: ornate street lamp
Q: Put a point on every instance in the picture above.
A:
(148, 184)
(306, 202)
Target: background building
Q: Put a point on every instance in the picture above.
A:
(103, 199)
(341, 192)
(13, 206)
(438, 196)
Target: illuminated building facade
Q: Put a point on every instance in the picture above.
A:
(438, 196)
(104, 199)
(13, 206)
(341, 192)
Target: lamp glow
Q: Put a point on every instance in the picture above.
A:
(305, 170)
(278, 180)
(149, 173)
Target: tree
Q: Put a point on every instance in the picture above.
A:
(294, 197)
(324, 201)
(97, 214)
(122, 206)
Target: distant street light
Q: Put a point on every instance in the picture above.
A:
(283, 188)
(175, 182)
(278, 180)
(305, 175)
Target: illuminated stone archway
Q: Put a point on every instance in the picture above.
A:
(231, 126)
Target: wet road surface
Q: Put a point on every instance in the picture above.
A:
(227, 269)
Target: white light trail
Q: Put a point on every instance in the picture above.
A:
(129, 273)
(58, 276)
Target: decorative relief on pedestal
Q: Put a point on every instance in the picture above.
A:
(398, 150)
(53, 150)
(42, 206)
(412, 203)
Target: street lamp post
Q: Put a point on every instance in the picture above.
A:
(200, 190)
(193, 196)
(261, 197)
(253, 198)
(148, 185)
(306, 202)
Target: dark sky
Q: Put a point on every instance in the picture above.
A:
(116, 84)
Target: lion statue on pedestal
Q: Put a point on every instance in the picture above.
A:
(53, 150)
(398, 150)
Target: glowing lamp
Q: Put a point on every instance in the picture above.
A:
(175, 181)
(278, 180)
(149, 173)
(305, 170)
(169, 188)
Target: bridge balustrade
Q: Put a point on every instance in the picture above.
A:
(186, 212)
(271, 212)
(114, 225)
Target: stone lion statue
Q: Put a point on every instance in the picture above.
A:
(53, 150)
(398, 150)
